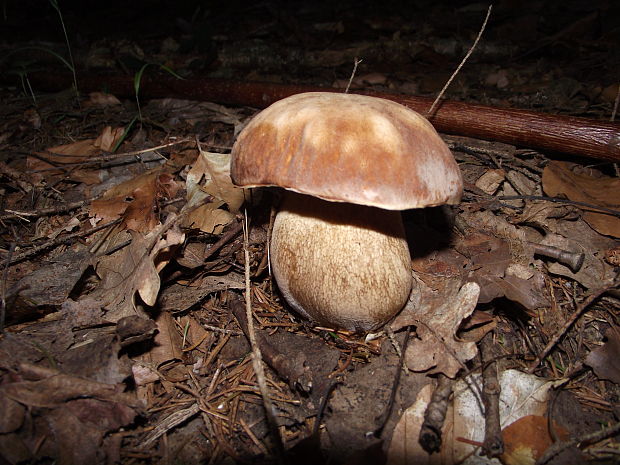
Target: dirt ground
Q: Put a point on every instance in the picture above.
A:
(124, 332)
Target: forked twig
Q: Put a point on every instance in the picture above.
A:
(355, 63)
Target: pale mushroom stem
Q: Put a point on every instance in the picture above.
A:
(342, 265)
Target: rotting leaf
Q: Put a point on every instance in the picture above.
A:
(605, 360)
(76, 416)
(134, 268)
(560, 178)
(180, 296)
(437, 316)
(51, 284)
(497, 264)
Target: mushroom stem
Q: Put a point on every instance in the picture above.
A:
(341, 265)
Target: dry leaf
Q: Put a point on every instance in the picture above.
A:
(136, 200)
(437, 316)
(77, 152)
(489, 182)
(526, 440)
(605, 360)
(210, 177)
(521, 395)
(101, 99)
(209, 218)
(559, 179)
(134, 269)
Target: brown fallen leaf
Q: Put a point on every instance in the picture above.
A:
(101, 99)
(77, 152)
(492, 266)
(559, 178)
(437, 315)
(136, 200)
(135, 268)
(526, 440)
(75, 415)
(605, 360)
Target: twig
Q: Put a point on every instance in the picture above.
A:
(576, 314)
(616, 101)
(435, 415)
(58, 241)
(385, 416)
(5, 277)
(289, 366)
(598, 208)
(493, 445)
(102, 158)
(574, 260)
(591, 438)
(45, 211)
(458, 68)
(355, 63)
(257, 362)
(223, 240)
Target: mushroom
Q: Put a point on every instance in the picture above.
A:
(349, 164)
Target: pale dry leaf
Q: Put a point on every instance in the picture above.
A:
(437, 317)
(560, 179)
(101, 99)
(490, 181)
(521, 395)
(209, 218)
(210, 176)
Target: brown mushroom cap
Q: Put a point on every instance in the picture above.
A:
(347, 148)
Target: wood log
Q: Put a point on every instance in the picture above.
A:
(523, 128)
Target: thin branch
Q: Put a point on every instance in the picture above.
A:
(257, 361)
(576, 314)
(596, 208)
(493, 445)
(355, 63)
(471, 49)
(58, 241)
(615, 109)
(5, 278)
(11, 214)
(591, 438)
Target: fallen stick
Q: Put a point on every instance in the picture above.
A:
(555, 133)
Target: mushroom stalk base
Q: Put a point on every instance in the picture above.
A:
(341, 265)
